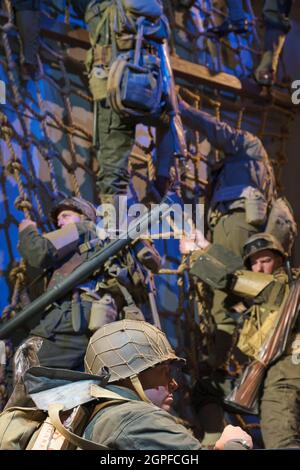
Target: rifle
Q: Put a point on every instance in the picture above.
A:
(176, 126)
(244, 396)
(151, 295)
(87, 268)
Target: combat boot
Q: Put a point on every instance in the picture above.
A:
(265, 74)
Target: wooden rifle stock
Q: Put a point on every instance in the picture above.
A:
(244, 396)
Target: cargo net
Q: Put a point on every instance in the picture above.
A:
(46, 151)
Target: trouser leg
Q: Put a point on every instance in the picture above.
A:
(115, 139)
(231, 231)
(280, 405)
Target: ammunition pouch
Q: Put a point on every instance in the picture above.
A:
(147, 254)
(264, 316)
(250, 284)
(65, 240)
(281, 224)
(255, 207)
(255, 331)
(215, 265)
(132, 312)
(103, 311)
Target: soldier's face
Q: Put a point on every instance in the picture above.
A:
(159, 386)
(68, 217)
(266, 261)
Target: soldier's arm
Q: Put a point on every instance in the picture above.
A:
(41, 251)
(222, 269)
(222, 136)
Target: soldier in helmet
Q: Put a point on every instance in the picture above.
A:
(61, 337)
(139, 358)
(262, 290)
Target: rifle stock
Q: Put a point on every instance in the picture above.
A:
(244, 395)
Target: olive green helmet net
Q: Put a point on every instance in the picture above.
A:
(128, 347)
(260, 242)
(76, 204)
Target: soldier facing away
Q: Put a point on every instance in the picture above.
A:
(113, 26)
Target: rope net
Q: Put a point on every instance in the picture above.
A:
(46, 147)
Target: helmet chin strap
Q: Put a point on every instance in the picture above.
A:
(138, 388)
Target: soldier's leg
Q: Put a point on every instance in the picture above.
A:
(231, 231)
(28, 13)
(164, 158)
(280, 405)
(235, 23)
(277, 25)
(116, 139)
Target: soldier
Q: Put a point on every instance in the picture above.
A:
(27, 13)
(236, 22)
(243, 188)
(262, 296)
(243, 185)
(277, 25)
(112, 26)
(61, 337)
(144, 359)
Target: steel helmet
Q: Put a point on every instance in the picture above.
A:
(260, 242)
(127, 347)
(75, 204)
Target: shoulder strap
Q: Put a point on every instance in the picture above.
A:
(54, 410)
(105, 404)
(106, 15)
(96, 392)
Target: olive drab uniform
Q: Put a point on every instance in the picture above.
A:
(113, 26)
(143, 426)
(61, 337)
(136, 423)
(64, 326)
(262, 295)
(243, 189)
(277, 25)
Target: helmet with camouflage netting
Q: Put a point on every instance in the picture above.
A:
(127, 347)
(260, 242)
(76, 204)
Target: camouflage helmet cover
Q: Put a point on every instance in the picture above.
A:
(260, 242)
(127, 347)
(75, 204)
